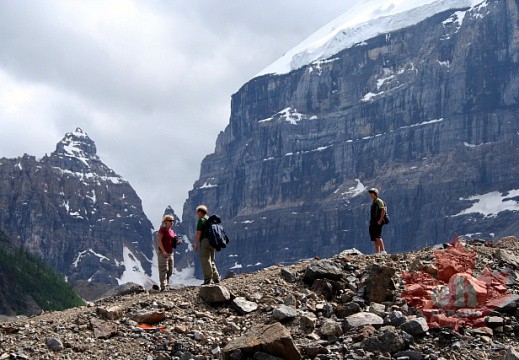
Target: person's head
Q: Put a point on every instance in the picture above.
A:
(373, 193)
(201, 211)
(167, 220)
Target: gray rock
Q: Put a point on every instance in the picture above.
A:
(110, 312)
(409, 354)
(54, 344)
(283, 312)
(148, 317)
(395, 318)
(331, 328)
(322, 269)
(348, 309)
(290, 276)
(388, 342)
(352, 251)
(378, 309)
(508, 257)
(511, 354)
(378, 283)
(290, 300)
(324, 288)
(308, 320)
(494, 321)
(214, 294)
(272, 339)
(243, 306)
(262, 356)
(363, 319)
(103, 329)
(416, 326)
(508, 304)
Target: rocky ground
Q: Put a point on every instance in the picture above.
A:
(352, 306)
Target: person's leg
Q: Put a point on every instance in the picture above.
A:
(379, 245)
(162, 271)
(373, 237)
(214, 270)
(205, 260)
(170, 264)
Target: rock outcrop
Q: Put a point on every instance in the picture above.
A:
(77, 214)
(427, 114)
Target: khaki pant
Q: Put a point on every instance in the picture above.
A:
(207, 254)
(165, 269)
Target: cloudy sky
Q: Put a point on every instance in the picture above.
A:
(149, 81)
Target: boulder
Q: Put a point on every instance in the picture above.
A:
(322, 269)
(273, 339)
(243, 306)
(283, 312)
(331, 328)
(388, 342)
(378, 283)
(363, 319)
(396, 318)
(416, 326)
(290, 276)
(110, 312)
(103, 329)
(323, 287)
(214, 294)
(511, 354)
(149, 317)
(54, 344)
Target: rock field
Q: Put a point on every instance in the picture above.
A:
(351, 306)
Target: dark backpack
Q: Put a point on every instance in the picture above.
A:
(386, 216)
(216, 234)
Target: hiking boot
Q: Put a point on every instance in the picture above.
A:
(383, 253)
(216, 281)
(206, 282)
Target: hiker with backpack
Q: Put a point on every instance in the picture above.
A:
(205, 251)
(167, 241)
(378, 218)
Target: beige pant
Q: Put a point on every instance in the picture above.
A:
(165, 269)
(207, 254)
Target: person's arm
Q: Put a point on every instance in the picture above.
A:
(382, 213)
(161, 247)
(198, 235)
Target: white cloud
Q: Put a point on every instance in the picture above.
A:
(150, 82)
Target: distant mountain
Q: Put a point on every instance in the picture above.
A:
(29, 285)
(419, 98)
(76, 213)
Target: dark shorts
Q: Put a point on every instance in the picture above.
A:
(375, 231)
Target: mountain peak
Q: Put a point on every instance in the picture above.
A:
(77, 144)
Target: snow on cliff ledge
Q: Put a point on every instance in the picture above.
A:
(364, 20)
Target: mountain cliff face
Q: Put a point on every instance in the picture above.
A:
(72, 210)
(428, 114)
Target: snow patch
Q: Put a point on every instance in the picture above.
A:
(207, 186)
(355, 190)
(363, 21)
(133, 271)
(83, 253)
(492, 203)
